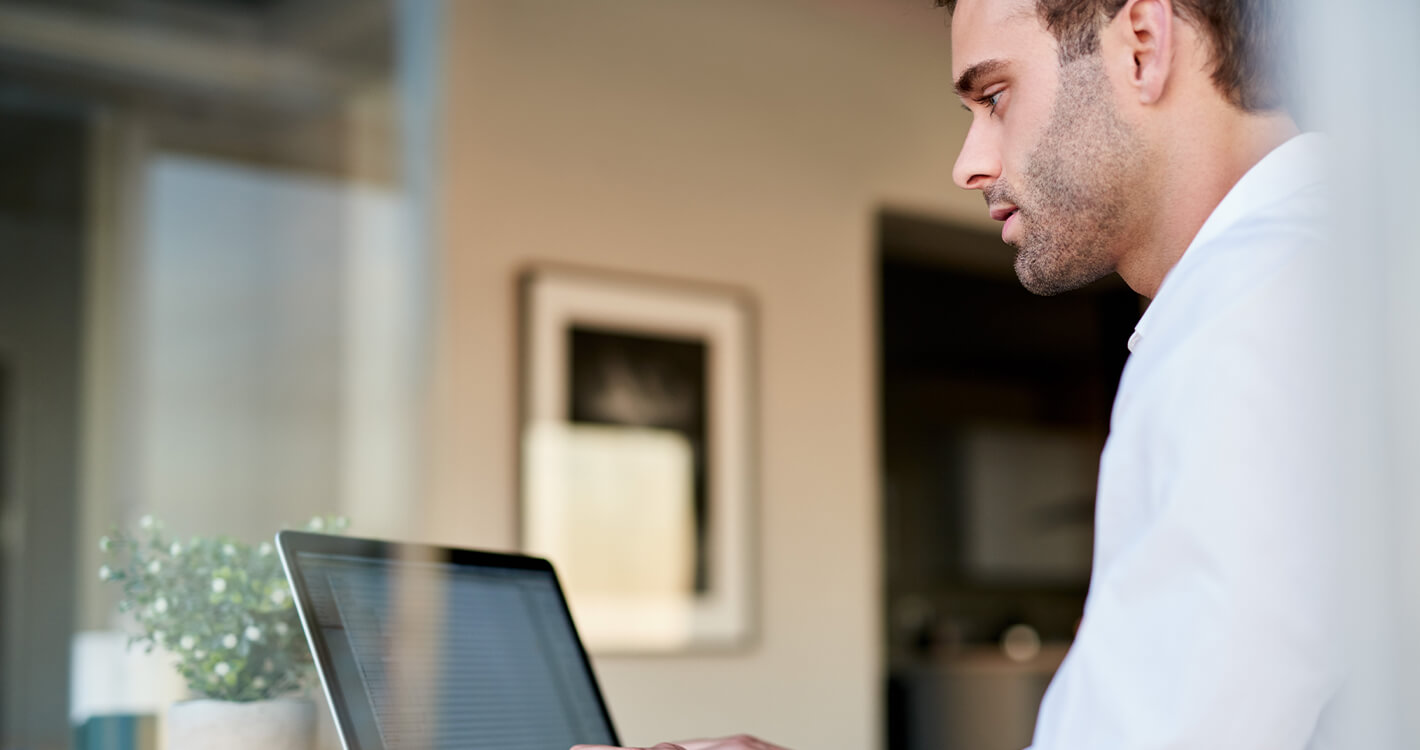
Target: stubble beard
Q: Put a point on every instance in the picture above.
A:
(1075, 194)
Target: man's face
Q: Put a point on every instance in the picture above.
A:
(1047, 147)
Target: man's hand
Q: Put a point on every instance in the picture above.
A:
(738, 742)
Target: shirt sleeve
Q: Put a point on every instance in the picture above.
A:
(1213, 626)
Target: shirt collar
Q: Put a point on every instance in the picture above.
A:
(1293, 166)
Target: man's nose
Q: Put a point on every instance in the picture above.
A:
(979, 163)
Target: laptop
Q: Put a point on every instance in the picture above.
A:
(432, 648)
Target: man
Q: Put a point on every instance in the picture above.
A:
(1145, 138)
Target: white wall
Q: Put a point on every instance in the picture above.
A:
(740, 142)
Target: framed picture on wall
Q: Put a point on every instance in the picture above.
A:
(1028, 528)
(636, 453)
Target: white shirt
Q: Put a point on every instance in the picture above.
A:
(1210, 617)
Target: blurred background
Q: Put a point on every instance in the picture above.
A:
(260, 261)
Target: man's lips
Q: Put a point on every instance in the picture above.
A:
(1006, 213)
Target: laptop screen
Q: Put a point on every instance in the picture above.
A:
(422, 648)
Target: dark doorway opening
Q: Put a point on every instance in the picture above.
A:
(43, 210)
(995, 405)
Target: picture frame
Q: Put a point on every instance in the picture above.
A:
(1028, 528)
(636, 451)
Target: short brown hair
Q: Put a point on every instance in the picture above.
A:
(1246, 36)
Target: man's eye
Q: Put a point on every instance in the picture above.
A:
(991, 101)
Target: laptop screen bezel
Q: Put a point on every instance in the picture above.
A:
(290, 544)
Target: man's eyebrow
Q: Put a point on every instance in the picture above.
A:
(970, 79)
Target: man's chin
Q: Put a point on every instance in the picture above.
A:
(1034, 286)
(1047, 281)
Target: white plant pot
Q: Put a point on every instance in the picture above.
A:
(284, 724)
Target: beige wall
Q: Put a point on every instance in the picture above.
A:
(742, 142)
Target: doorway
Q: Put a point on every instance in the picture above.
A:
(42, 219)
(995, 405)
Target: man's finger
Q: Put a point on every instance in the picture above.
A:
(738, 742)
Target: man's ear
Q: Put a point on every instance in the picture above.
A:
(1146, 29)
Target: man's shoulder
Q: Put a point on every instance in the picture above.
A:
(1276, 214)
(1250, 302)
(1272, 257)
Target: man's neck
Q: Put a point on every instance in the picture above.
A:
(1196, 172)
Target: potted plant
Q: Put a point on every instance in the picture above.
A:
(223, 609)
